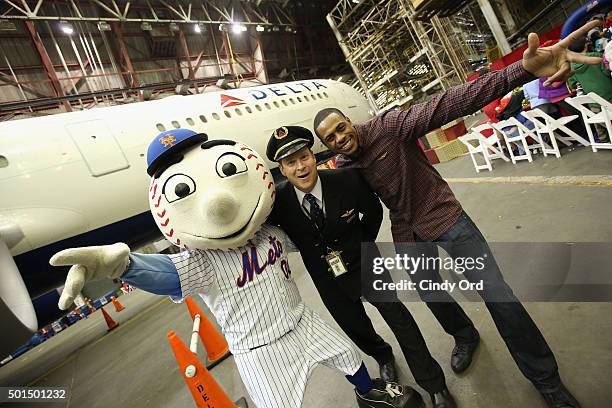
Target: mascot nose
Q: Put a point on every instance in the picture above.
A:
(221, 207)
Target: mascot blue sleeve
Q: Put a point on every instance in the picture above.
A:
(153, 273)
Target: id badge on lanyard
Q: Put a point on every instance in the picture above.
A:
(336, 264)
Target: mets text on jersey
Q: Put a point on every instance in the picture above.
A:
(251, 265)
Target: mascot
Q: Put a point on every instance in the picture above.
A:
(211, 198)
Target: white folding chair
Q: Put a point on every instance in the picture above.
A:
(513, 135)
(494, 148)
(488, 147)
(589, 117)
(472, 141)
(539, 143)
(555, 129)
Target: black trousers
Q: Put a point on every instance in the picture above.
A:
(352, 318)
(522, 337)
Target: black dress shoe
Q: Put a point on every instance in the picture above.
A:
(388, 372)
(443, 399)
(462, 354)
(390, 395)
(561, 398)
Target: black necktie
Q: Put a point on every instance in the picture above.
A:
(316, 214)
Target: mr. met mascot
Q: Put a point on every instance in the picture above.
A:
(212, 198)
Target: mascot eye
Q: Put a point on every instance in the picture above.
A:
(230, 164)
(177, 187)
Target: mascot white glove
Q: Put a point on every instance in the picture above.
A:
(89, 263)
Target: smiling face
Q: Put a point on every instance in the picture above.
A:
(214, 198)
(300, 168)
(338, 134)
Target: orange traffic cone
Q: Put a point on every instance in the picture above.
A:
(215, 344)
(204, 389)
(109, 320)
(118, 306)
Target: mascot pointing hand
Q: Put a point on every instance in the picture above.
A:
(211, 198)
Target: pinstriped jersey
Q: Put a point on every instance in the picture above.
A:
(249, 290)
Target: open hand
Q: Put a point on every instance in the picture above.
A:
(555, 61)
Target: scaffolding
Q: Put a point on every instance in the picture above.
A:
(396, 58)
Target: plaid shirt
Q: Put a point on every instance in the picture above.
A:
(395, 167)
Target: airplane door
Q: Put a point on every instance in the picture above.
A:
(98, 146)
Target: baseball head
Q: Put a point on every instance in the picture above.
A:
(207, 194)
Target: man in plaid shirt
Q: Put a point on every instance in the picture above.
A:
(424, 209)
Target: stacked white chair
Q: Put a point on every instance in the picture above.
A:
(584, 104)
(490, 147)
(555, 129)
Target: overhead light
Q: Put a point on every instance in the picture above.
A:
(238, 28)
(276, 29)
(196, 28)
(222, 27)
(7, 25)
(66, 27)
(104, 26)
(174, 27)
(259, 28)
(146, 26)
(288, 29)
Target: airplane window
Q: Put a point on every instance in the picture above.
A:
(319, 95)
(258, 107)
(161, 127)
(292, 101)
(306, 98)
(227, 114)
(203, 118)
(216, 116)
(276, 104)
(190, 121)
(284, 102)
(299, 99)
(3, 161)
(238, 111)
(267, 105)
(248, 109)
(176, 124)
(325, 94)
(312, 97)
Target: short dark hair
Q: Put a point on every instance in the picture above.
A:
(324, 113)
(578, 44)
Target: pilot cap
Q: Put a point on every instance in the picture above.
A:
(287, 140)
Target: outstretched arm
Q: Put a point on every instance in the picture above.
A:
(153, 273)
(466, 99)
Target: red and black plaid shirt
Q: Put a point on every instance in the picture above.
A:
(395, 167)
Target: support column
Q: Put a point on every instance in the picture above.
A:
(261, 72)
(126, 57)
(498, 33)
(506, 15)
(185, 50)
(346, 53)
(42, 52)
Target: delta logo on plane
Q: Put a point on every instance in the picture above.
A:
(258, 94)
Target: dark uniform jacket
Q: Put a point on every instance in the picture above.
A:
(346, 197)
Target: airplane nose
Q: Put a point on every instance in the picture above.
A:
(221, 207)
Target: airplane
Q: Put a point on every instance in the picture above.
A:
(79, 178)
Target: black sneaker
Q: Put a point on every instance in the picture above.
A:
(390, 395)
(561, 398)
(462, 354)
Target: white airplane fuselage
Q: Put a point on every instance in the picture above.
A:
(80, 178)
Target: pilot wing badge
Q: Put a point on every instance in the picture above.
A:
(348, 215)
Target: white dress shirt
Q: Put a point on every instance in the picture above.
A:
(317, 192)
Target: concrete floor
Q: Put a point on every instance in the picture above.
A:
(133, 366)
